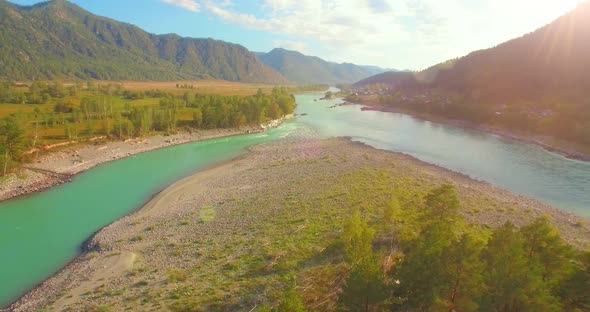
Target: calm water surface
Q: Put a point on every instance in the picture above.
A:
(42, 232)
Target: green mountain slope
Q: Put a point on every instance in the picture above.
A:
(538, 84)
(393, 79)
(551, 60)
(59, 39)
(305, 69)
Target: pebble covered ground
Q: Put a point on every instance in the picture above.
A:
(191, 240)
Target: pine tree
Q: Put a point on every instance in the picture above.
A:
(442, 203)
(440, 270)
(511, 285)
(364, 289)
(573, 290)
(463, 281)
(421, 273)
(546, 251)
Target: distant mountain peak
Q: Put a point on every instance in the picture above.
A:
(305, 69)
(55, 5)
(285, 51)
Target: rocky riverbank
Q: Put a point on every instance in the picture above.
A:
(59, 166)
(215, 239)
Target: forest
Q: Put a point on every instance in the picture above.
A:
(429, 258)
(40, 114)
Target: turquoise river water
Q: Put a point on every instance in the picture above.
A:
(40, 233)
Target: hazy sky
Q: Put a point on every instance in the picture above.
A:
(402, 34)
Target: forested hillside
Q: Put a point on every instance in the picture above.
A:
(551, 61)
(537, 83)
(305, 69)
(58, 39)
(390, 80)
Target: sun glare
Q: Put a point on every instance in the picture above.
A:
(550, 8)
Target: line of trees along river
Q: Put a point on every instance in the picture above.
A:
(50, 113)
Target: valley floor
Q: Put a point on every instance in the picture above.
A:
(231, 237)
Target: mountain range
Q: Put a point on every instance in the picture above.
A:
(58, 39)
(303, 69)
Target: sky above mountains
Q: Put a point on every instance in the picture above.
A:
(402, 34)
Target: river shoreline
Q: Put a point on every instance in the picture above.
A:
(89, 246)
(569, 152)
(58, 167)
(113, 252)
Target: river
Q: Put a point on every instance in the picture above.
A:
(42, 232)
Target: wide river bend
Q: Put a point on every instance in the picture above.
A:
(40, 233)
